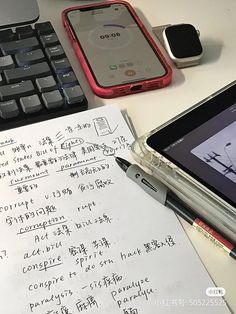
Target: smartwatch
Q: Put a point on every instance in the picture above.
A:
(181, 42)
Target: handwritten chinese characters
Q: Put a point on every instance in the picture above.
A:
(76, 235)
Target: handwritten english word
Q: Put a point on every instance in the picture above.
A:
(44, 265)
(102, 263)
(89, 303)
(21, 148)
(72, 274)
(102, 126)
(151, 246)
(18, 205)
(40, 238)
(30, 177)
(97, 184)
(104, 282)
(15, 171)
(26, 188)
(85, 260)
(93, 147)
(4, 164)
(79, 163)
(48, 248)
(76, 250)
(53, 298)
(130, 310)
(88, 206)
(53, 160)
(59, 193)
(72, 142)
(42, 211)
(62, 310)
(22, 158)
(3, 254)
(40, 153)
(155, 244)
(99, 220)
(62, 230)
(133, 253)
(2, 152)
(78, 127)
(89, 171)
(7, 142)
(88, 258)
(47, 140)
(45, 151)
(47, 284)
(43, 224)
(92, 261)
(135, 290)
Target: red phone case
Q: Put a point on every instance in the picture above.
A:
(123, 89)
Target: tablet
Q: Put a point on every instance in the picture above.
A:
(196, 154)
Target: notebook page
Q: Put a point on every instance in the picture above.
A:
(77, 236)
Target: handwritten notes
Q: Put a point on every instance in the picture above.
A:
(77, 236)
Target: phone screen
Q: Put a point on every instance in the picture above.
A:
(206, 145)
(114, 45)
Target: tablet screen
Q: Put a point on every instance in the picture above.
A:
(206, 148)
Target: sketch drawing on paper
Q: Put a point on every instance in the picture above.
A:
(102, 126)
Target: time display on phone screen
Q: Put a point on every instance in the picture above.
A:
(108, 36)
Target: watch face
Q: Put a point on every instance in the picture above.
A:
(183, 41)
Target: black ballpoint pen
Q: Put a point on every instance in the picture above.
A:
(160, 192)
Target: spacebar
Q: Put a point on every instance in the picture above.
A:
(24, 73)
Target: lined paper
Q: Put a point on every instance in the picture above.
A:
(77, 236)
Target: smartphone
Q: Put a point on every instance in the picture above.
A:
(195, 155)
(116, 51)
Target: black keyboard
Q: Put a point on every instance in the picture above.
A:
(37, 81)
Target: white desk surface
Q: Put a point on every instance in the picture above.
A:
(217, 24)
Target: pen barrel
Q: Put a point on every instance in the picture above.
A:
(148, 183)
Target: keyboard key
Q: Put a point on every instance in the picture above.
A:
(36, 78)
(49, 40)
(55, 53)
(73, 94)
(61, 66)
(67, 79)
(46, 84)
(9, 109)
(44, 28)
(17, 90)
(24, 32)
(21, 45)
(29, 72)
(6, 62)
(7, 35)
(53, 99)
(30, 57)
(30, 104)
